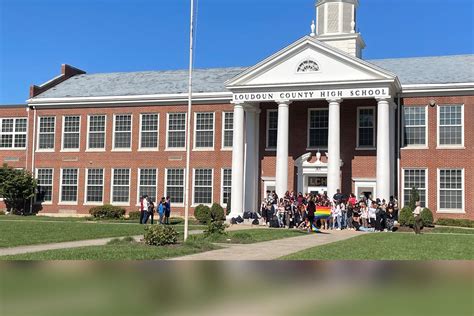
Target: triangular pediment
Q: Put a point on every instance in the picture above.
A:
(309, 61)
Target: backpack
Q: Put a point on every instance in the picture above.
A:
(256, 222)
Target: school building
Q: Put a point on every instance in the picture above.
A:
(313, 117)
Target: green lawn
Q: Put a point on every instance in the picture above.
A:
(18, 233)
(393, 246)
(118, 250)
(257, 235)
(452, 230)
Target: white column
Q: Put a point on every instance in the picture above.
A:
(383, 149)
(250, 161)
(257, 157)
(237, 191)
(334, 147)
(281, 182)
(393, 143)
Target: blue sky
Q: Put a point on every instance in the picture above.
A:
(37, 36)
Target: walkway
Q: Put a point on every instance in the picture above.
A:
(271, 250)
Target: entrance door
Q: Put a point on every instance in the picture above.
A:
(317, 184)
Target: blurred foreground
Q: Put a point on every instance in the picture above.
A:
(253, 288)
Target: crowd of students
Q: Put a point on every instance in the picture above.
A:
(147, 210)
(318, 211)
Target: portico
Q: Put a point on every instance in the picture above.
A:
(312, 70)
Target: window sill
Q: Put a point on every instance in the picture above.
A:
(450, 211)
(120, 204)
(196, 205)
(451, 147)
(226, 149)
(68, 203)
(12, 149)
(415, 148)
(366, 148)
(45, 150)
(40, 203)
(270, 149)
(93, 204)
(177, 205)
(122, 150)
(204, 149)
(69, 151)
(95, 150)
(175, 149)
(148, 149)
(320, 149)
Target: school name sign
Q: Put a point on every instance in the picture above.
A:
(312, 95)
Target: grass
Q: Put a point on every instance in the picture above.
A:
(19, 233)
(124, 249)
(396, 246)
(452, 230)
(256, 235)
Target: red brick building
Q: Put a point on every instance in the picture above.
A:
(315, 116)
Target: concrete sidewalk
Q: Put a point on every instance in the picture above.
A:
(69, 244)
(274, 249)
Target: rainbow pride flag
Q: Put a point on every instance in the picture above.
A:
(322, 212)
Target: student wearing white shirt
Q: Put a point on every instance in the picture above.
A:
(418, 221)
(372, 214)
(336, 215)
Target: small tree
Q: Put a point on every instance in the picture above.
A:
(17, 188)
(414, 197)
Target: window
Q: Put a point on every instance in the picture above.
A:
(450, 125)
(272, 128)
(227, 130)
(176, 130)
(226, 185)
(45, 185)
(204, 132)
(46, 133)
(202, 186)
(414, 178)
(147, 183)
(318, 127)
(123, 131)
(451, 189)
(95, 185)
(121, 186)
(415, 126)
(149, 131)
(71, 132)
(13, 133)
(96, 138)
(69, 180)
(366, 127)
(175, 185)
(308, 66)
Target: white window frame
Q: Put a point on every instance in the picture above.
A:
(463, 189)
(63, 134)
(38, 135)
(308, 147)
(212, 187)
(52, 186)
(365, 183)
(138, 185)
(112, 188)
(267, 182)
(213, 132)
(14, 133)
(131, 134)
(267, 131)
(140, 148)
(185, 132)
(88, 134)
(86, 179)
(184, 186)
(419, 146)
(374, 145)
(61, 187)
(223, 147)
(222, 185)
(402, 198)
(438, 125)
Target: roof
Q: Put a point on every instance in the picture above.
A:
(420, 70)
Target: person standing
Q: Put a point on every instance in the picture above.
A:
(151, 211)
(311, 208)
(418, 221)
(144, 210)
(167, 210)
(161, 209)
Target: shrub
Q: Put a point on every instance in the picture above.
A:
(215, 228)
(17, 187)
(107, 211)
(227, 209)
(217, 212)
(427, 217)
(160, 235)
(455, 222)
(135, 215)
(414, 197)
(2, 213)
(406, 217)
(202, 214)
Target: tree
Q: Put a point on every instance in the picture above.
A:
(227, 209)
(414, 197)
(17, 187)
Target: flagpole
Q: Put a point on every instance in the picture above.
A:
(188, 129)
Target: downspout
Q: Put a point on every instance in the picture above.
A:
(399, 111)
(33, 146)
